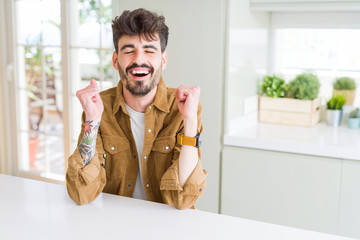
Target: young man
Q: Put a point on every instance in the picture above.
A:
(139, 139)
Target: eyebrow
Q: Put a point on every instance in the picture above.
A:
(150, 46)
(127, 46)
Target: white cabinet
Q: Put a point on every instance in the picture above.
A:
(288, 189)
(305, 5)
(349, 214)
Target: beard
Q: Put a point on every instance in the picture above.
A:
(139, 88)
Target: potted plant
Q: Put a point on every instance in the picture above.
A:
(35, 117)
(334, 110)
(345, 86)
(354, 119)
(273, 86)
(305, 86)
(35, 75)
(293, 104)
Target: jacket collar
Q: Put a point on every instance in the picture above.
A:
(160, 101)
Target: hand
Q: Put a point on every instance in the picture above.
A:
(91, 101)
(188, 102)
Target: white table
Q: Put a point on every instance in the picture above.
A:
(32, 209)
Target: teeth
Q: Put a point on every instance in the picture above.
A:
(140, 72)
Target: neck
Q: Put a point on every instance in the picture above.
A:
(139, 103)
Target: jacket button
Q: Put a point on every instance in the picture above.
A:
(147, 185)
(149, 107)
(104, 155)
(145, 157)
(167, 148)
(149, 130)
(112, 148)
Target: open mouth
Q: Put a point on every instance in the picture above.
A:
(138, 73)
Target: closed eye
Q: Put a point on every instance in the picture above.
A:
(129, 52)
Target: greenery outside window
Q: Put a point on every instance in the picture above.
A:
(40, 86)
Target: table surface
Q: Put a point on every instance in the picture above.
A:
(32, 209)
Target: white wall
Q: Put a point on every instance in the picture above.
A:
(247, 56)
(196, 53)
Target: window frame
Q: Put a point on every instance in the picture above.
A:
(5, 84)
(11, 158)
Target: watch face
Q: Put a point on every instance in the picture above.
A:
(198, 140)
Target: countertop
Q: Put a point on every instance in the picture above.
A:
(318, 140)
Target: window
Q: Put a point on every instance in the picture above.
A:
(324, 43)
(39, 91)
(330, 53)
(41, 87)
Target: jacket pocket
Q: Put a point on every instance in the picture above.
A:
(164, 144)
(117, 152)
(162, 155)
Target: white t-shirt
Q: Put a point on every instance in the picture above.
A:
(137, 120)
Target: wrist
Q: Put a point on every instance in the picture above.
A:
(93, 119)
(190, 127)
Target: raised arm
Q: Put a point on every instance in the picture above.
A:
(93, 107)
(188, 102)
(85, 176)
(185, 180)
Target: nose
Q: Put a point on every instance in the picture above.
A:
(139, 57)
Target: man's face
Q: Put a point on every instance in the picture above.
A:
(140, 64)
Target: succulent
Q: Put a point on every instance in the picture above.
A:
(355, 113)
(344, 83)
(305, 86)
(336, 102)
(273, 86)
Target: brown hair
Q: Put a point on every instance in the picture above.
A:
(140, 22)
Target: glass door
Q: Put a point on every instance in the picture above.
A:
(40, 84)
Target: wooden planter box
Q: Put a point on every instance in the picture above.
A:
(289, 111)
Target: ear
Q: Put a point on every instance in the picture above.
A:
(164, 59)
(115, 60)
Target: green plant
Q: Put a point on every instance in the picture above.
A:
(39, 68)
(91, 8)
(344, 83)
(355, 113)
(273, 86)
(305, 86)
(336, 102)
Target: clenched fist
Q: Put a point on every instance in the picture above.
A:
(91, 101)
(188, 102)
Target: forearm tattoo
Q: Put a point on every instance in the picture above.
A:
(87, 146)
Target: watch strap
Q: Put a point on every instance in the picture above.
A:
(184, 140)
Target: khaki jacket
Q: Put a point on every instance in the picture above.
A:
(114, 167)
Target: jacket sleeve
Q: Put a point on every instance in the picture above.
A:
(186, 196)
(85, 182)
